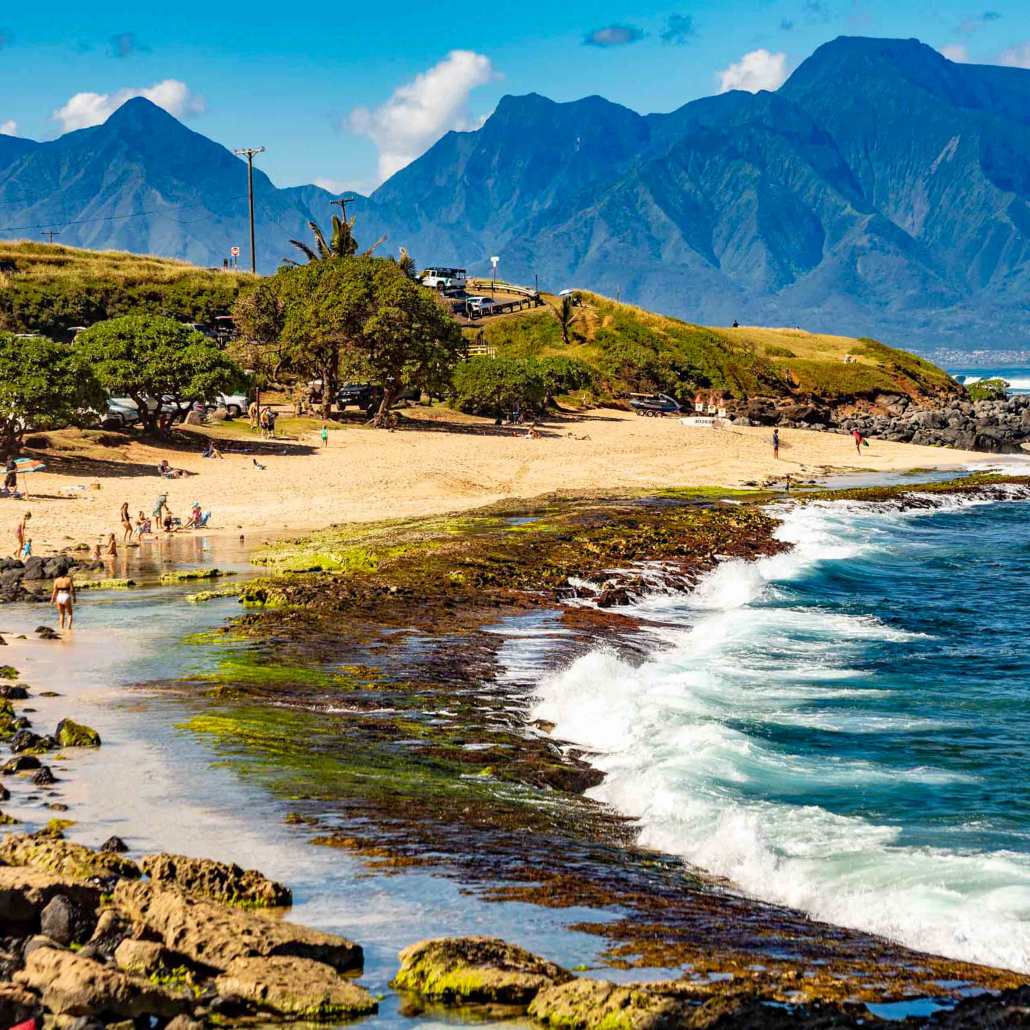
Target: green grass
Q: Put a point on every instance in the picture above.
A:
(834, 379)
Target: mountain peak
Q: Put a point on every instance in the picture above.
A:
(139, 113)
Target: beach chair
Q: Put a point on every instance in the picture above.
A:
(202, 521)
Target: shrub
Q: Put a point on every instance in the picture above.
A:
(492, 386)
(562, 374)
(772, 351)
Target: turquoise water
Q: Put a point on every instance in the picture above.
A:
(1018, 378)
(843, 728)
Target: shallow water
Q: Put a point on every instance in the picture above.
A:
(842, 728)
(160, 787)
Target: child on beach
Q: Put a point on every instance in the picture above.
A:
(776, 443)
(325, 435)
(26, 551)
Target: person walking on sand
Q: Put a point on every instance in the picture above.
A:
(63, 595)
(776, 443)
(19, 534)
(325, 435)
(858, 440)
(126, 519)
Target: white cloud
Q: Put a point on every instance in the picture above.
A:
(1015, 56)
(9, 128)
(957, 52)
(86, 109)
(756, 70)
(421, 111)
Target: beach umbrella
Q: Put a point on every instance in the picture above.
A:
(26, 465)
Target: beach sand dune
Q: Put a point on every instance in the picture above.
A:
(437, 463)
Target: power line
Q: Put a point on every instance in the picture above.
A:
(51, 233)
(102, 218)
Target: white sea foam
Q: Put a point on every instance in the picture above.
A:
(672, 737)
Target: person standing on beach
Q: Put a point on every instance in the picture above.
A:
(325, 435)
(858, 440)
(776, 443)
(126, 522)
(63, 595)
(160, 505)
(10, 474)
(19, 534)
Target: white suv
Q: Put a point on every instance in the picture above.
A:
(443, 278)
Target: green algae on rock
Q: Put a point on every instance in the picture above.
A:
(65, 858)
(73, 734)
(296, 988)
(475, 969)
(186, 575)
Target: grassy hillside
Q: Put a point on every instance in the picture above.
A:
(48, 288)
(634, 350)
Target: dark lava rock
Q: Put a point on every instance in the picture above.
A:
(5, 794)
(34, 568)
(20, 764)
(115, 844)
(63, 921)
(49, 634)
(17, 692)
(44, 777)
(26, 740)
(49, 693)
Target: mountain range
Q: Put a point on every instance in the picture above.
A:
(882, 191)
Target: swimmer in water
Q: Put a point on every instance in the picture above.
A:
(63, 595)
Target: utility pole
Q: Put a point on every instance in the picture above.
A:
(51, 233)
(249, 153)
(343, 202)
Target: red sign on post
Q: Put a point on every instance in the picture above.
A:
(235, 251)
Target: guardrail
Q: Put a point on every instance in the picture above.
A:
(488, 284)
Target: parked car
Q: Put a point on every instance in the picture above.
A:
(361, 395)
(656, 405)
(121, 413)
(235, 404)
(443, 278)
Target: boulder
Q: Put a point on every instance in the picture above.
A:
(73, 734)
(25, 893)
(476, 969)
(215, 935)
(226, 883)
(66, 922)
(25, 741)
(115, 845)
(589, 1004)
(33, 568)
(17, 1005)
(20, 763)
(44, 777)
(111, 929)
(75, 986)
(64, 857)
(14, 691)
(144, 957)
(297, 988)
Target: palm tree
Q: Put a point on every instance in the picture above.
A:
(406, 263)
(341, 243)
(567, 318)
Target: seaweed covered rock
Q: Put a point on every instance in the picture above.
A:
(73, 734)
(296, 988)
(71, 985)
(590, 1004)
(476, 969)
(25, 893)
(215, 935)
(63, 857)
(225, 883)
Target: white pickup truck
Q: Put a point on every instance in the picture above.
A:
(443, 278)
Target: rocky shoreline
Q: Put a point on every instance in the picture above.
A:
(988, 426)
(92, 938)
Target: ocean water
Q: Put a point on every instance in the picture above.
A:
(843, 728)
(1017, 378)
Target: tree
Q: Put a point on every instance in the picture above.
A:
(493, 386)
(150, 357)
(260, 316)
(562, 374)
(567, 318)
(406, 263)
(341, 243)
(43, 385)
(364, 316)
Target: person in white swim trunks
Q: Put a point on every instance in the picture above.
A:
(63, 595)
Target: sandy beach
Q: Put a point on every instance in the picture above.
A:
(438, 462)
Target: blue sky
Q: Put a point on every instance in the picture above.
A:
(344, 94)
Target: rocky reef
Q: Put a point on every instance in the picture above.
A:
(999, 426)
